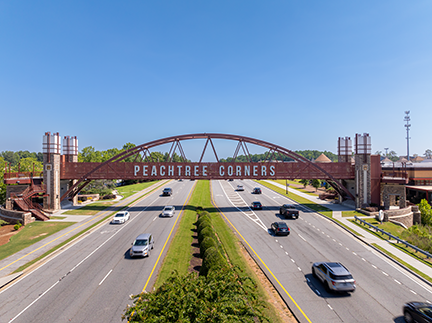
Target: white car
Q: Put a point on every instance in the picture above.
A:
(120, 217)
(168, 211)
(240, 188)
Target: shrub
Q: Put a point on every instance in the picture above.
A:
(206, 232)
(3, 222)
(205, 217)
(212, 261)
(202, 225)
(207, 243)
(17, 226)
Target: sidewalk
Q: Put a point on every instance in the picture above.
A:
(15, 261)
(366, 237)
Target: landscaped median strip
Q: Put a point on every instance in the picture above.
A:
(119, 207)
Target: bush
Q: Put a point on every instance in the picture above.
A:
(3, 222)
(212, 261)
(17, 226)
(206, 232)
(204, 217)
(202, 225)
(207, 243)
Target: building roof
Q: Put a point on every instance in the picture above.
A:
(323, 159)
(417, 159)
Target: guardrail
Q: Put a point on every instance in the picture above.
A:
(398, 240)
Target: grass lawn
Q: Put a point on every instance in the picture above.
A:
(91, 209)
(29, 235)
(396, 230)
(57, 217)
(129, 190)
(351, 213)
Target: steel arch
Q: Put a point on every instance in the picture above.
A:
(175, 141)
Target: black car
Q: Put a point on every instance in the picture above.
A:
(167, 191)
(289, 211)
(256, 190)
(280, 228)
(256, 205)
(417, 312)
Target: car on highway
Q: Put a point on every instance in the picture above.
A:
(289, 210)
(120, 217)
(417, 312)
(142, 245)
(240, 188)
(335, 276)
(280, 228)
(167, 191)
(256, 205)
(168, 211)
(256, 190)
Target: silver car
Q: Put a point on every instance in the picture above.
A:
(334, 276)
(142, 245)
(168, 211)
(120, 217)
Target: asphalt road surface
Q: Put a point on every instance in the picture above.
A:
(92, 280)
(382, 286)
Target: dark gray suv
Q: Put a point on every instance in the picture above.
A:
(334, 276)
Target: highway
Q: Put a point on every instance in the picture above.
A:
(91, 280)
(382, 286)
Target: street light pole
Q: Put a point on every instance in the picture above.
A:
(407, 126)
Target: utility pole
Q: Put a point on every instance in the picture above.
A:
(407, 126)
(386, 149)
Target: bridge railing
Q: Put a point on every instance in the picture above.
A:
(9, 175)
(398, 240)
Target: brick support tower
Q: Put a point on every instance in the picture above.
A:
(51, 172)
(362, 159)
(70, 155)
(344, 150)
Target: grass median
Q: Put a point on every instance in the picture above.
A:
(180, 253)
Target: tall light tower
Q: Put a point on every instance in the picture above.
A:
(386, 149)
(407, 126)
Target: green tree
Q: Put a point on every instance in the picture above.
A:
(316, 183)
(2, 184)
(426, 212)
(305, 182)
(27, 164)
(428, 153)
(221, 296)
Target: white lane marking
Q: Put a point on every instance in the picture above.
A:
(330, 307)
(105, 277)
(299, 268)
(340, 244)
(347, 248)
(155, 218)
(413, 292)
(334, 240)
(281, 246)
(374, 266)
(40, 296)
(301, 237)
(293, 260)
(286, 253)
(328, 236)
(384, 273)
(276, 240)
(363, 259)
(398, 282)
(354, 253)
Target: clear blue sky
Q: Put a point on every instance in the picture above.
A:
(299, 74)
